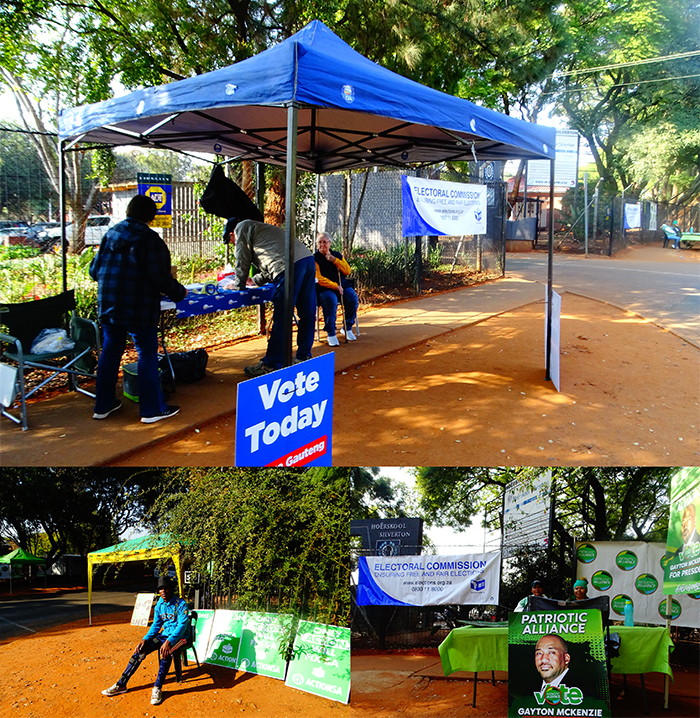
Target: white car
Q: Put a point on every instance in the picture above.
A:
(95, 228)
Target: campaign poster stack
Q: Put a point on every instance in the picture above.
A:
(634, 570)
(556, 664)
(259, 642)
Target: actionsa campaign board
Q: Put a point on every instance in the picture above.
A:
(634, 570)
(258, 643)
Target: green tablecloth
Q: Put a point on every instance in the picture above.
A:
(474, 649)
(642, 650)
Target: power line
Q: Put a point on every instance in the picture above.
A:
(621, 84)
(660, 58)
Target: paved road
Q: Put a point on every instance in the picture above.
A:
(666, 293)
(23, 616)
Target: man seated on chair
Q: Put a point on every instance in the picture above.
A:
(170, 623)
(263, 245)
(332, 284)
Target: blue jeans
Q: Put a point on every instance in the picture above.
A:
(152, 644)
(151, 400)
(328, 299)
(304, 298)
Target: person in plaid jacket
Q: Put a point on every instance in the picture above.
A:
(132, 270)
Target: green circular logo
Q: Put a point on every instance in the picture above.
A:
(626, 560)
(552, 695)
(675, 609)
(646, 584)
(618, 603)
(602, 580)
(586, 553)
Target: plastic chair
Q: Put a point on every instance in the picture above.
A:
(180, 648)
(25, 321)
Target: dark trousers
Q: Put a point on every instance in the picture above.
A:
(152, 644)
(304, 298)
(151, 400)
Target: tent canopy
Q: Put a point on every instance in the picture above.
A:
(138, 549)
(353, 113)
(19, 557)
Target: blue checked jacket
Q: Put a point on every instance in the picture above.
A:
(132, 271)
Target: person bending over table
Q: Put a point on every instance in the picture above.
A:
(170, 620)
(331, 285)
(132, 271)
(262, 245)
(536, 589)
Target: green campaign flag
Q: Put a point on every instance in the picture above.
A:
(682, 559)
(202, 631)
(556, 664)
(321, 661)
(264, 644)
(225, 638)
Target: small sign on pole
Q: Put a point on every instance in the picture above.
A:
(159, 188)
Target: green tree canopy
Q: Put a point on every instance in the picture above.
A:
(267, 537)
(77, 510)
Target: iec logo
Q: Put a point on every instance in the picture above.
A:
(349, 94)
(478, 584)
(477, 215)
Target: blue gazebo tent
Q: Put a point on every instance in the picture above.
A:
(311, 102)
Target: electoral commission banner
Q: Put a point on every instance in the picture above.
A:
(429, 580)
(633, 570)
(434, 207)
(682, 569)
(556, 664)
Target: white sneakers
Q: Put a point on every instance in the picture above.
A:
(156, 696)
(333, 340)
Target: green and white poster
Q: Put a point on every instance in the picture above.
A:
(556, 664)
(202, 631)
(225, 638)
(682, 560)
(264, 644)
(321, 661)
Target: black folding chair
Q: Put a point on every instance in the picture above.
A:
(180, 649)
(25, 321)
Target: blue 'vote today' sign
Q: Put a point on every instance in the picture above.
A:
(285, 418)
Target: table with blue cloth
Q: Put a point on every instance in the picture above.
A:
(198, 303)
(642, 650)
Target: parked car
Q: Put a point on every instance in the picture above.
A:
(95, 228)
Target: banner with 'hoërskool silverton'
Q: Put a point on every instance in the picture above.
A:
(429, 580)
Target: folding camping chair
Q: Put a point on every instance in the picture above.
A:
(180, 648)
(25, 321)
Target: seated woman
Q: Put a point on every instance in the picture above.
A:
(332, 284)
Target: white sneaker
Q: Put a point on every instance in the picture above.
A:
(115, 690)
(348, 333)
(333, 340)
(156, 696)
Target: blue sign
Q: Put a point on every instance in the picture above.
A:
(285, 418)
(159, 188)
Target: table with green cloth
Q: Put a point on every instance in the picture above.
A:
(642, 650)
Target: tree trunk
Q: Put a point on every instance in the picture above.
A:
(274, 201)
